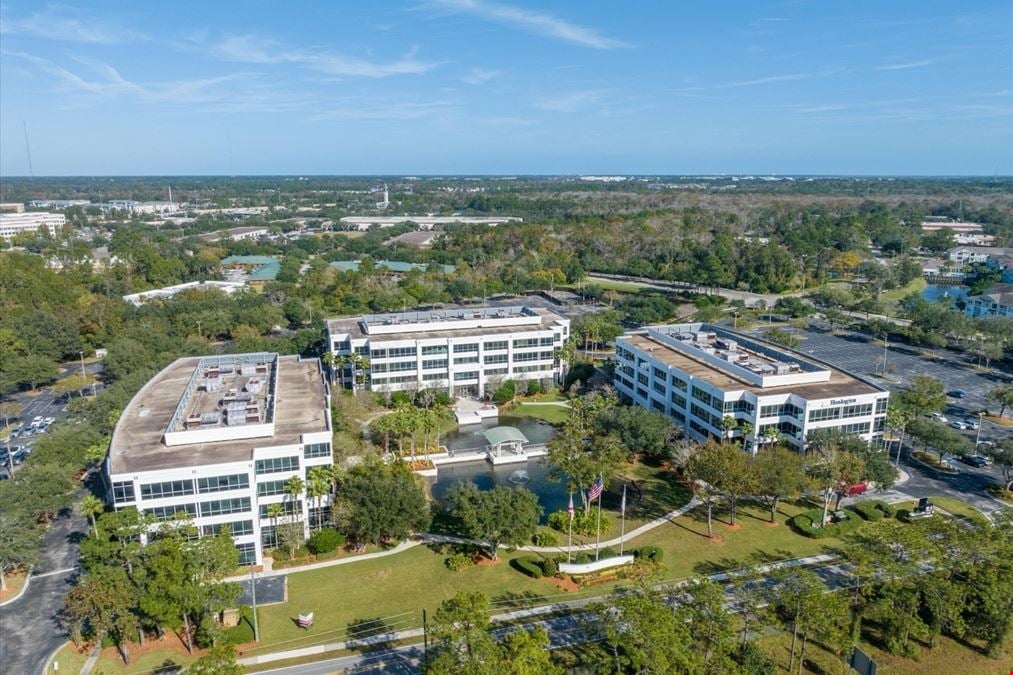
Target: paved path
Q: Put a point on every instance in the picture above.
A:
(29, 629)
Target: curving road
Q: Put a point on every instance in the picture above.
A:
(28, 625)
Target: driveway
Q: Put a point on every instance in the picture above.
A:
(29, 627)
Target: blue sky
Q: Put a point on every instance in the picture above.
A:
(476, 86)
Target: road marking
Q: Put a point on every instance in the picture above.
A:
(55, 572)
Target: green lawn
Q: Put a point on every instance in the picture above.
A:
(15, 582)
(549, 412)
(895, 295)
(955, 506)
(608, 285)
(69, 659)
(395, 589)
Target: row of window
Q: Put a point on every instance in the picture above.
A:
(465, 360)
(844, 412)
(288, 508)
(271, 487)
(177, 488)
(314, 450)
(778, 409)
(221, 507)
(740, 406)
(277, 464)
(237, 528)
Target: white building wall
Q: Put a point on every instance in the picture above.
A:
(13, 224)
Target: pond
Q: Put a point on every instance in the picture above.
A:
(470, 437)
(551, 494)
(934, 293)
(533, 474)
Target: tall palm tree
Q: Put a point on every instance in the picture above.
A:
(746, 429)
(274, 512)
(92, 507)
(294, 487)
(728, 425)
(318, 485)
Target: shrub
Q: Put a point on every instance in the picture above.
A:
(607, 552)
(583, 524)
(903, 515)
(648, 553)
(459, 561)
(505, 393)
(581, 558)
(529, 565)
(868, 511)
(279, 554)
(326, 540)
(887, 509)
(535, 387)
(754, 661)
(545, 538)
(807, 523)
(549, 567)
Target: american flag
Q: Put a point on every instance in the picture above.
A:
(596, 490)
(569, 509)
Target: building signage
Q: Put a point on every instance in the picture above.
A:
(843, 401)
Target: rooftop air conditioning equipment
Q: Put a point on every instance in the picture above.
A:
(248, 370)
(782, 368)
(193, 422)
(211, 418)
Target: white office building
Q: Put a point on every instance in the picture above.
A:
(699, 373)
(13, 224)
(217, 438)
(466, 352)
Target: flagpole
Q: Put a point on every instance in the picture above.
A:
(622, 531)
(569, 534)
(597, 539)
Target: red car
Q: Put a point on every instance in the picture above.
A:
(857, 489)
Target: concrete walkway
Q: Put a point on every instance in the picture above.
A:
(428, 538)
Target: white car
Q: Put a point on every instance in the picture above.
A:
(971, 424)
(957, 424)
(939, 417)
(50, 420)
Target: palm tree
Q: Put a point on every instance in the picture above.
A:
(771, 434)
(897, 418)
(728, 425)
(746, 429)
(294, 487)
(328, 359)
(274, 512)
(360, 364)
(92, 507)
(319, 484)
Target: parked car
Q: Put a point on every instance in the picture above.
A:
(950, 465)
(857, 489)
(956, 393)
(49, 420)
(939, 417)
(978, 461)
(16, 433)
(20, 455)
(971, 423)
(958, 424)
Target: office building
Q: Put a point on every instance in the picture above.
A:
(217, 438)
(466, 351)
(13, 224)
(699, 373)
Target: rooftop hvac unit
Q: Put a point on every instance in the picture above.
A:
(248, 369)
(212, 384)
(244, 396)
(254, 385)
(725, 343)
(193, 422)
(782, 368)
(212, 418)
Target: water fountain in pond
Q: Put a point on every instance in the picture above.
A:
(519, 477)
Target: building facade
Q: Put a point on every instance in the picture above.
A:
(994, 301)
(13, 224)
(698, 374)
(466, 352)
(217, 438)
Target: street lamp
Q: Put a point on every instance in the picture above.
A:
(977, 435)
(83, 376)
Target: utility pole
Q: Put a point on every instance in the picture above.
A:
(83, 376)
(425, 637)
(977, 435)
(253, 593)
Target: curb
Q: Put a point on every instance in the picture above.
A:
(24, 589)
(49, 659)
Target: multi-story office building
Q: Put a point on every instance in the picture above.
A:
(217, 438)
(467, 351)
(13, 224)
(699, 373)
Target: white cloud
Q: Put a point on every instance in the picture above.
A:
(772, 79)
(571, 102)
(532, 21)
(251, 49)
(906, 66)
(480, 76)
(60, 23)
(381, 110)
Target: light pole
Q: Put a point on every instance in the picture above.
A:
(83, 376)
(253, 594)
(977, 435)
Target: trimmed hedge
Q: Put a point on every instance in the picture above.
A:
(459, 561)
(326, 540)
(545, 538)
(648, 553)
(807, 523)
(873, 510)
(585, 524)
(529, 565)
(549, 567)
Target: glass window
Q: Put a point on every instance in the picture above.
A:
(123, 492)
(401, 352)
(247, 553)
(467, 375)
(470, 347)
(271, 487)
(316, 450)
(495, 358)
(881, 404)
(236, 481)
(431, 350)
(495, 345)
(525, 343)
(429, 377)
(465, 360)
(170, 488)
(545, 341)
(288, 508)
(278, 464)
(163, 513)
(220, 507)
(237, 528)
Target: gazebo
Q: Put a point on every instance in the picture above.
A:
(506, 445)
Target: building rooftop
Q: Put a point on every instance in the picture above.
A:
(396, 266)
(1001, 294)
(834, 383)
(449, 323)
(164, 425)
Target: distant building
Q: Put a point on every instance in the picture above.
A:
(13, 224)
(966, 255)
(12, 207)
(994, 301)
(364, 223)
(216, 438)
(138, 208)
(236, 234)
(391, 266)
(464, 351)
(956, 228)
(698, 374)
(255, 270)
(227, 287)
(419, 238)
(57, 203)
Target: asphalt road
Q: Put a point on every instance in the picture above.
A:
(29, 629)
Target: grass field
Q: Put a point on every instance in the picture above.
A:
(15, 582)
(949, 656)
(549, 412)
(895, 295)
(608, 285)
(955, 506)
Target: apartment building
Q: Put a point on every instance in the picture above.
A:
(13, 224)
(699, 374)
(217, 438)
(995, 300)
(464, 351)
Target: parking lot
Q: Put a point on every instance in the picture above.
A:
(43, 403)
(862, 355)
